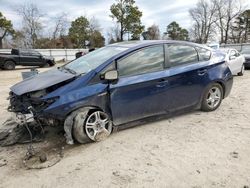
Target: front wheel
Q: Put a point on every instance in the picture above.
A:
(212, 98)
(9, 65)
(95, 126)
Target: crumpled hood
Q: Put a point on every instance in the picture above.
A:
(41, 81)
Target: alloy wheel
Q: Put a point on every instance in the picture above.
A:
(214, 97)
(98, 126)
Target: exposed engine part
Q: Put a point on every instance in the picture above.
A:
(11, 133)
(38, 94)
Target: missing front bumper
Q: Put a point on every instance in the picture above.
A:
(21, 119)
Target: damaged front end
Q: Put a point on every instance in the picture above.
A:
(27, 119)
(29, 107)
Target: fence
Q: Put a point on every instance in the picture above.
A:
(238, 47)
(58, 54)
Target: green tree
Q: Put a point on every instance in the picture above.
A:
(6, 28)
(175, 32)
(128, 16)
(79, 32)
(96, 39)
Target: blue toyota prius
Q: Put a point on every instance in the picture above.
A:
(122, 83)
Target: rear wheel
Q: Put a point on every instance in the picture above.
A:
(242, 70)
(51, 64)
(9, 65)
(212, 98)
(95, 126)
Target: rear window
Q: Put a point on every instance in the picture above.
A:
(181, 54)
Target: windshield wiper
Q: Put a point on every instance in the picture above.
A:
(68, 69)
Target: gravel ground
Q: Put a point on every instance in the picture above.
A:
(193, 150)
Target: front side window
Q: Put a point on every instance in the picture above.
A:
(150, 59)
(181, 54)
(34, 53)
(233, 53)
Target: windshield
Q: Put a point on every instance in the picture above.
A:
(92, 60)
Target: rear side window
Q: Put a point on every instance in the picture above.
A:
(181, 54)
(204, 54)
(34, 53)
(25, 52)
(150, 59)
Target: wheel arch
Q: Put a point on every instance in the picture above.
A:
(70, 119)
(222, 85)
(208, 85)
(90, 108)
(12, 60)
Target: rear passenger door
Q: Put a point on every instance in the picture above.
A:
(187, 75)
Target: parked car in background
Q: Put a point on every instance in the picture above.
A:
(246, 52)
(215, 46)
(235, 61)
(121, 83)
(24, 58)
(81, 53)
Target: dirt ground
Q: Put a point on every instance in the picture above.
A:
(193, 150)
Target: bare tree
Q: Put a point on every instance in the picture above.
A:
(226, 12)
(204, 18)
(60, 27)
(32, 24)
(152, 33)
(94, 25)
(114, 34)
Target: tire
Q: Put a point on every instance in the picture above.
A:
(88, 129)
(241, 73)
(212, 98)
(9, 65)
(51, 64)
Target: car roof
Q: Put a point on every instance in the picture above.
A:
(142, 43)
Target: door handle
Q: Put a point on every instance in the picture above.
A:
(202, 72)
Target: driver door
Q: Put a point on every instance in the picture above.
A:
(138, 92)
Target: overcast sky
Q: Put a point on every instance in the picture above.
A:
(159, 12)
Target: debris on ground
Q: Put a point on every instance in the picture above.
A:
(3, 162)
(42, 159)
(234, 154)
(12, 133)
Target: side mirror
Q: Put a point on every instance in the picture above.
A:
(232, 57)
(111, 75)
